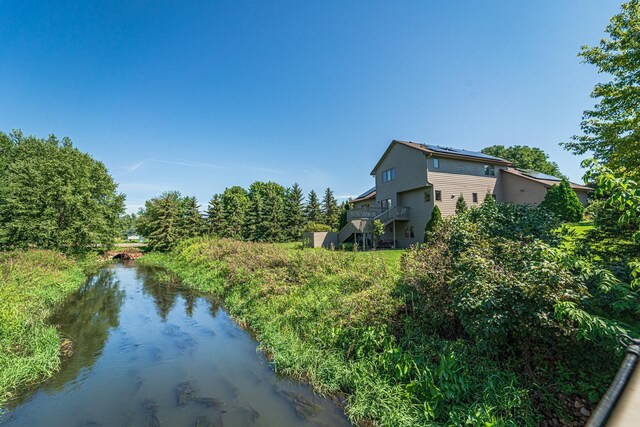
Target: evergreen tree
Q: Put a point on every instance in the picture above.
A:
(294, 210)
(434, 221)
(215, 216)
(342, 222)
(461, 205)
(159, 221)
(330, 209)
(267, 221)
(562, 201)
(313, 211)
(191, 222)
(235, 205)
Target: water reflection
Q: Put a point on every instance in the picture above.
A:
(151, 353)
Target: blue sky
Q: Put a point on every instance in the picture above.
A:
(197, 96)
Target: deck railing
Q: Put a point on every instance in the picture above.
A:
(398, 213)
(363, 213)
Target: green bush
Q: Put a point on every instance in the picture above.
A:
(434, 221)
(316, 227)
(461, 205)
(562, 201)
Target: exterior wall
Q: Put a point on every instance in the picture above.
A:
(364, 203)
(521, 190)
(320, 239)
(411, 172)
(418, 216)
(455, 177)
(583, 196)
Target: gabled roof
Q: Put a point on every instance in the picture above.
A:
(542, 178)
(367, 195)
(446, 152)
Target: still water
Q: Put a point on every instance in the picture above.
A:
(148, 354)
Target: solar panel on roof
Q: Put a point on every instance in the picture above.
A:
(461, 152)
(366, 193)
(539, 175)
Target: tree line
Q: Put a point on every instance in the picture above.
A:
(264, 212)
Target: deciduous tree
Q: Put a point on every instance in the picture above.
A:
(54, 196)
(525, 157)
(612, 128)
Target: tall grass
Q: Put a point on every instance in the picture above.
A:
(32, 284)
(337, 321)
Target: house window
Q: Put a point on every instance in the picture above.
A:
(489, 170)
(408, 232)
(436, 163)
(389, 175)
(427, 196)
(439, 195)
(386, 204)
(475, 197)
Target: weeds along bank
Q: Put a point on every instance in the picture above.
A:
(491, 322)
(339, 320)
(32, 284)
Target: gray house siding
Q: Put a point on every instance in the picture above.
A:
(419, 215)
(364, 203)
(455, 177)
(583, 196)
(522, 190)
(411, 172)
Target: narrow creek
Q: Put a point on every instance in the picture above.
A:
(148, 355)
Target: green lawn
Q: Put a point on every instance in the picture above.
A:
(390, 256)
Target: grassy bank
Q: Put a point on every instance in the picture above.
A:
(32, 284)
(338, 320)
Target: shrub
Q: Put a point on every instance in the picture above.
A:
(515, 222)
(563, 202)
(436, 218)
(461, 205)
(316, 227)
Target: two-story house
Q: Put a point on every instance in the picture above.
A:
(412, 178)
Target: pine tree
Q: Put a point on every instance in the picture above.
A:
(235, 204)
(330, 209)
(266, 219)
(434, 221)
(461, 205)
(191, 223)
(313, 212)
(160, 220)
(215, 216)
(346, 206)
(563, 201)
(294, 211)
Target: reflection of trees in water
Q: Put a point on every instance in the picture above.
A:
(87, 318)
(165, 291)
